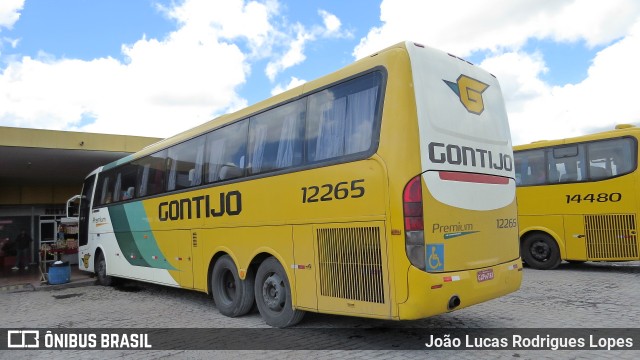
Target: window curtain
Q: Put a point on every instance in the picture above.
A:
(216, 154)
(259, 142)
(116, 192)
(105, 189)
(284, 157)
(172, 174)
(144, 181)
(197, 174)
(330, 141)
(359, 122)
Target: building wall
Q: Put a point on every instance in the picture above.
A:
(38, 194)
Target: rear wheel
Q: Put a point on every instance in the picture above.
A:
(273, 295)
(233, 296)
(540, 251)
(101, 271)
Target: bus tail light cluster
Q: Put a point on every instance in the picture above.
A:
(414, 222)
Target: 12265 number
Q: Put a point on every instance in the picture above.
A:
(328, 192)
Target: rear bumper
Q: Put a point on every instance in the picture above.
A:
(429, 293)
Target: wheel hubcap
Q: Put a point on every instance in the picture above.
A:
(540, 251)
(273, 292)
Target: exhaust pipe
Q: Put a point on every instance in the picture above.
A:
(454, 302)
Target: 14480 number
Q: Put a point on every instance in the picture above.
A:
(601, 197)
(328, 192)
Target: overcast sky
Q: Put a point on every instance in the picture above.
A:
(158, 67)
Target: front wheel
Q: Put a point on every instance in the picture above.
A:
(101, 271)
(273, 295)
(540, 251)
(232, 295)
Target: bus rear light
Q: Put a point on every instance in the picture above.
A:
(413, 209)
(413, 190)
(414, 222)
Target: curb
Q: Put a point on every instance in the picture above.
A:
(16, 288)
(72, 284)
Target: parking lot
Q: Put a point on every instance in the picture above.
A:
(590, 295)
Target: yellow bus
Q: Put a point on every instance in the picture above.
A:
(577, 198)
(383, 190)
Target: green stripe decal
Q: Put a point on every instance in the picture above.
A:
(137, 249)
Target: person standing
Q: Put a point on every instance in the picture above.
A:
(23, 242)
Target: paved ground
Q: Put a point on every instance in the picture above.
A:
(590, 295)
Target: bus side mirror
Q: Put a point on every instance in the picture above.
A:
(73, 204)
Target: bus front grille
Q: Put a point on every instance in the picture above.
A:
(351, 263)
(611, 237)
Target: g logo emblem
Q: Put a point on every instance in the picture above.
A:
(469, 92)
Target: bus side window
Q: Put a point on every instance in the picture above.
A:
(531, 167)
(225, 152)
(276, 138)
(341, 120)
(151, 174)
(129, 177)
(570, 161)
(613, 156)
(104, 188)
(183, 158)
(624, 158)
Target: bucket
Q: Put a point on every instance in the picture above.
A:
(59, 273)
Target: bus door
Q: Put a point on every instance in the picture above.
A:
(574, 237)
(304, 256)
(185, 264)
(177, 257)
(84, 216)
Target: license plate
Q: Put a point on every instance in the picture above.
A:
(484, 275)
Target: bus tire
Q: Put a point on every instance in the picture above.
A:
(540, 251)
(273, 295)
(232, 295)
(101, 271)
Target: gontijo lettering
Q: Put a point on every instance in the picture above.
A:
(201, 206)
(440, 153)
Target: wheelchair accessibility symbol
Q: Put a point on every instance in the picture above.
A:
(435, 257)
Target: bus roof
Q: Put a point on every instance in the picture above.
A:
(619, 130)
(310, 86)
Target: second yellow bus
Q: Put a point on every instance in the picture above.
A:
(578, 198)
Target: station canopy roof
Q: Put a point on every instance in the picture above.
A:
(51, 157)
